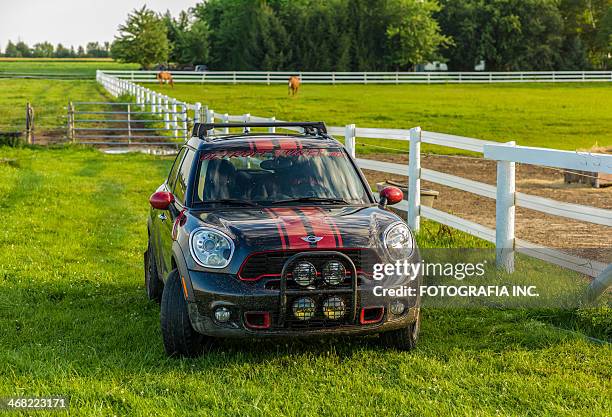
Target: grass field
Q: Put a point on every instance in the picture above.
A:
(567, 116)
(84, 67)
(48, 97)
(74, 321)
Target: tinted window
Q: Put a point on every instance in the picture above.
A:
(174, 170)
(180, 188)
(269, 176)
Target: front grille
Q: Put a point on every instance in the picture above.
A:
(270, 264)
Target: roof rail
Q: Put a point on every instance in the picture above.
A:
(204, 130)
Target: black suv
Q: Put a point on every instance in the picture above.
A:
(266, 234)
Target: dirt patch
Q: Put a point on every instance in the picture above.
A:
(551, 231)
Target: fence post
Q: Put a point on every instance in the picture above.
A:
(505, 214)
(129, 123)
(247, 118)
(185, 126)
(71, 122)
(153, 102)
(175, 118)
(210, 118)
(29, 123)
(166, 115)
(225, 119)
(414, 180)
(196, 112)
(349, 139)
(272, 129)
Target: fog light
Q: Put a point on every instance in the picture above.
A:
(334, 272)
(334, 308)
(397, 308)
(304, 273)
(304, 308)
(222, 314)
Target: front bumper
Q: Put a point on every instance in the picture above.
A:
(212, 291)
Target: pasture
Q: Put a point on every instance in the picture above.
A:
(49, 98)
(74, 321)
(85, 67)
(563, 116)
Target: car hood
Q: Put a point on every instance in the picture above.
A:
(289, 228)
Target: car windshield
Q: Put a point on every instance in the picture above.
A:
(275, 177)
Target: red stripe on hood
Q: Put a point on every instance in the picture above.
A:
(321, 227)
(294, 226)
(279, 227)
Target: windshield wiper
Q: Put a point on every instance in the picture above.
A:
(232, 201)
(313, 199)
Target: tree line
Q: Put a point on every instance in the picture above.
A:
(47, 50)
(372, 35)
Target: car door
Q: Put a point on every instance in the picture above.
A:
(159, 217)
(179, 190)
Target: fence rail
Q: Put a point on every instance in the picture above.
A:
(504, 192)
(281, 77)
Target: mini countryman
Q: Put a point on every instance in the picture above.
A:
(274, 234)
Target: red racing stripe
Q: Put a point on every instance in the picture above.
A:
(336, 230)
(281, 233)
(294, 226)
(321, 227)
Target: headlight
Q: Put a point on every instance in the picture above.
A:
(398, 241)
(333, 272)
(211, 248)
(334, 308)
(304, 273)
(304, 308)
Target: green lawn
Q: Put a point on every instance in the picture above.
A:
(564, 116)
(83, 67)
(74, 321)
(48, 97)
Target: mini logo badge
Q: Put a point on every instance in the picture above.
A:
(311, 238)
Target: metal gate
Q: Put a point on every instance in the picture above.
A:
(127, 124)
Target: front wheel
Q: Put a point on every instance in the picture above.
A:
(180, 338)
(405, 338)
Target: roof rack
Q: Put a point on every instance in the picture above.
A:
(204, 130)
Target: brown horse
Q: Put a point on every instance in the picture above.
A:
(165, 76)
(294, 85)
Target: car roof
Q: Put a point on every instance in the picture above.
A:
(249, 140)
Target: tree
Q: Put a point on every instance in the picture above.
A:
(510, 35)
(142, 39)
(43, 50)
(189, 39)
(80, 51)
(23, 50)
(413, 35)
(11, 50)
(61, 51)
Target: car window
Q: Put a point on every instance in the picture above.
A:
(180, 188)
(175, 168)
(265, 177)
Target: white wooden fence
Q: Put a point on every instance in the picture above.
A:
(504, 193)
(281, 77)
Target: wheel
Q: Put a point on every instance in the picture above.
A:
(180, 339)
(405, 338)
(153, 285)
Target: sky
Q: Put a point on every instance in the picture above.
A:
(72, 22)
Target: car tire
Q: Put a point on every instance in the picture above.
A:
(180, 338)
(405, 338)
(153, 285)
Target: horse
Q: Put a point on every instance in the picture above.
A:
(165, 76)
(294, 85)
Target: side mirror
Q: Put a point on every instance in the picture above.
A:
(390, 196)
(161, 200)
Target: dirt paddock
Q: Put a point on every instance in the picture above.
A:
(580, 238)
